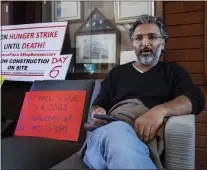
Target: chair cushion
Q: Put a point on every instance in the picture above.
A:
(74, 162)
(96, 90)
(34, 152)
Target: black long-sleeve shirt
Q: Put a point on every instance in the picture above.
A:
(160, 84)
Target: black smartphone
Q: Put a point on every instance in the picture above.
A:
(106, 117)
(90, 127)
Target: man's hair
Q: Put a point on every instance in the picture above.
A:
(148, 19)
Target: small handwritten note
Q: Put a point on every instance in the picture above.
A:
(52, 114)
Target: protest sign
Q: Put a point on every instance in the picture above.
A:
(29, 52)
(52, 114)
(35, 68)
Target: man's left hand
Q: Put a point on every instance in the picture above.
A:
(147, 125)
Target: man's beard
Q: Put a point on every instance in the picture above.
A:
(150, 60)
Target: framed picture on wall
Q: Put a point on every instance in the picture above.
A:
(97, 43)
(127, 12)
(96, 48)
(71, 11)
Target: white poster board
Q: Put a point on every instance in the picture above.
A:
(32, 52)
(128, 11)
(66, 10)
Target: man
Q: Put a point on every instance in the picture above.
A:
(164, 87)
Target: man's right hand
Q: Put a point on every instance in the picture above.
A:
(97, 110)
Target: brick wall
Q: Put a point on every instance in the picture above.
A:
(185, 23)
(4, 14)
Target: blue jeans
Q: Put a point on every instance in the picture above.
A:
(116, 146)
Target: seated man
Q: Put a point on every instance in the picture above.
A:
(163, 87)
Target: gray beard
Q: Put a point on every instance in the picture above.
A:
(150, 60)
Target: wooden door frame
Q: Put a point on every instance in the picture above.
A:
(9, 14)
(159, 9)
(205, 46)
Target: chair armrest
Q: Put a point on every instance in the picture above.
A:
(180, 142)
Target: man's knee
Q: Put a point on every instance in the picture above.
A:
(117, 129)
(119, 124)
(116, 132)
(118, 137)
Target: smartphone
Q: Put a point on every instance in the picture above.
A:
(106, 117)
(90, 127)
